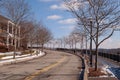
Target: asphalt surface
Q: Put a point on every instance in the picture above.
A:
(53, 66)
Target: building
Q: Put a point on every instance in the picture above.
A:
(9, 34)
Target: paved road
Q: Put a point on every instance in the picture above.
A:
(54, 66)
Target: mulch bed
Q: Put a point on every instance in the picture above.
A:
(93, 73)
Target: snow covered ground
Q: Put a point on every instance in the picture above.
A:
(110, 67)
(107, 71)
(18, 58)
(9, 53)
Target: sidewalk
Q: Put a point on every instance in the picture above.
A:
(9, 60)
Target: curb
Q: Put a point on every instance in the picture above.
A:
(84, 72)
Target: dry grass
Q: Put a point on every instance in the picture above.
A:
(93, 73)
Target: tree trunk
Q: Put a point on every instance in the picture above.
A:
(31, 44)
(64, 46)
(96, 51)
(81, 45)
(42, 47)
(31, 48)
(91, 43)
(75, 48)
(14, 55)
(96, 60)
(14, 44)
(86, 45)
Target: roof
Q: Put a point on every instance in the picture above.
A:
(4, 19)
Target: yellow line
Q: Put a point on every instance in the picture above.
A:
(45, 69)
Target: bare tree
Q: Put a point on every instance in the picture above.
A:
(27, 33)
(16, 10)
(75, 38)
(43, 35)
(67, 41)
(60, 42)
(104, 13)
(81, 36)
(71, 43)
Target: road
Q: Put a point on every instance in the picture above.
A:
(54, 66)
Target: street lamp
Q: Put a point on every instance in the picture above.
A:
(91, 24)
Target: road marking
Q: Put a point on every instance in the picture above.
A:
(45, 69)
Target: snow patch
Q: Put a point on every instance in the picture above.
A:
(18, 59)
(107, 71)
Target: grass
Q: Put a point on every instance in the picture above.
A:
(93, 73)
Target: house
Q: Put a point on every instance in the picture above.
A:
(9, 34)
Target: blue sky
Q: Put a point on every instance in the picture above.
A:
(53, 14)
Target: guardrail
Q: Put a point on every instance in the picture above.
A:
(115, 57)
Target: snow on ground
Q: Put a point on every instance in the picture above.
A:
(9, 53)
(107, 71)
(17, 59)
(111, 68)
(17, 56)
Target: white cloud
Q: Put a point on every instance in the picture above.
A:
(48, 0)
(110, 43)
(68, 21)
(77, 3)
(54, 7)
(60, 7)
(54, 17)
(73, 3)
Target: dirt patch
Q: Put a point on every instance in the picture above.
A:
(99, 72)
